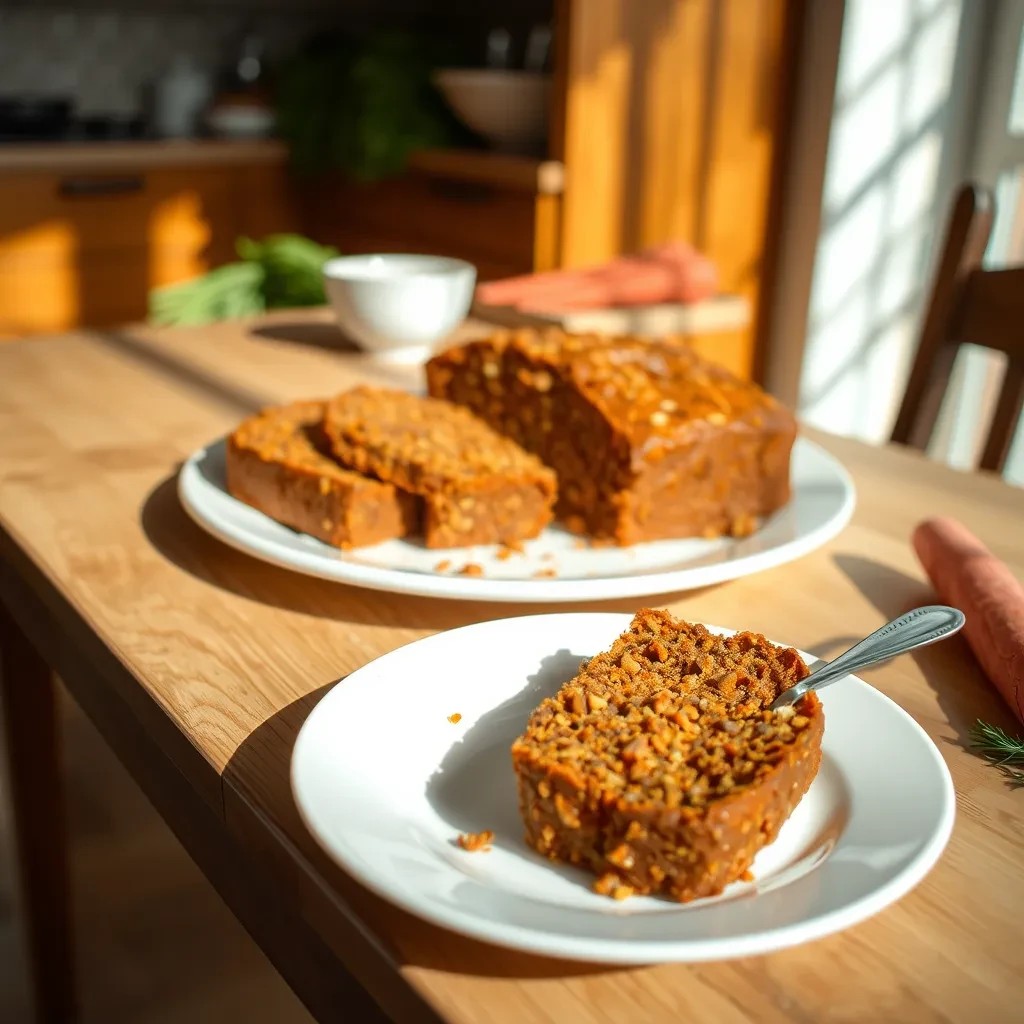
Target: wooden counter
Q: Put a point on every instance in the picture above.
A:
(97, 157)
(86, 230)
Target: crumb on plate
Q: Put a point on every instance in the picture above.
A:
(455, 718)
(471, 569)
(476, 842)
(443, 566)
(506, 551)
(545, 574)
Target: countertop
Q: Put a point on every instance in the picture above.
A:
(77, 157)
(518, 173)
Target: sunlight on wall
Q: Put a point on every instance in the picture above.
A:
(996, 160)
(178, 232)
(884, 196)
(1015, 462)
(38, 277)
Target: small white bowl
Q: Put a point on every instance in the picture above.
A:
(399, 305)
(240, 122)
(508, 108)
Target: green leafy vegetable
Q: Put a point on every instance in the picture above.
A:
(281, 271)
(999, 747)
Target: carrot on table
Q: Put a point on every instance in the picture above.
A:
(968, 576)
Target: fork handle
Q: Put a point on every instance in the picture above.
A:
(918, 628)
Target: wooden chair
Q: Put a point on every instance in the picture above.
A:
(968, 304)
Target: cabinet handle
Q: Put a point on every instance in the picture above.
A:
(462, 191)
(72, 188)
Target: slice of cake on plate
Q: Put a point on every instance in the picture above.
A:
(477, 486)
(279, 462)
(658, 766)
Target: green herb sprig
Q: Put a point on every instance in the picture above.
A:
(999, 747)
(282, 271)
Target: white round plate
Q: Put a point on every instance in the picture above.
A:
(872, 824)
(822, 503)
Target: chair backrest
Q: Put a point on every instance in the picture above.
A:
(968, 304)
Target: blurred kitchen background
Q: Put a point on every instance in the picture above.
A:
(809, 148)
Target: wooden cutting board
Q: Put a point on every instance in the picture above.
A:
(718, 315)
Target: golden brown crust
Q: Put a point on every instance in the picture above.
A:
(658, 768)
(478, 487)
(648, 440)
(277, 462)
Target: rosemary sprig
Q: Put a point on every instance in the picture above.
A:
(999, 747)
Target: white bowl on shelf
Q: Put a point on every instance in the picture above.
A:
(508, 108)
(399, 305)
(238, 121)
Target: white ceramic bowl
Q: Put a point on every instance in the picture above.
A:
(240, 122)
(399, 305)
(508, 108)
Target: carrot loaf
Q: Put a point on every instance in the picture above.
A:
(279, 462)
(658, 767)
(477, 486)
(648, 440)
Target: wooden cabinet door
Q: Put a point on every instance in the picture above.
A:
(491, 227)
(84, 249)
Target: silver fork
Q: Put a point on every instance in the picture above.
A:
(918, 628)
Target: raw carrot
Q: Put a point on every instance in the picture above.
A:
(968, 576)
(670, 273)
(510, 290)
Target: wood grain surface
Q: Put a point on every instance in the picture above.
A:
(218, 658)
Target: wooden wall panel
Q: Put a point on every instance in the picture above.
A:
(673, 113)
(73, 258)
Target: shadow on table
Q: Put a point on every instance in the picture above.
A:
(262, 763)
(323, 335)
(223, 391)
(178, 539)
(328, 337)
(964, 695)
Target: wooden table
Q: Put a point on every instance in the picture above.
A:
(199, 665)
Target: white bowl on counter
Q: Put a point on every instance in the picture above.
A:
(235, 121)
(508, 108)
(399, 305)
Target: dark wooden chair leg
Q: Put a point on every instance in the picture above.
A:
(28, 691)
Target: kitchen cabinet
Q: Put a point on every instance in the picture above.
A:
(499, 212)
(85, 232)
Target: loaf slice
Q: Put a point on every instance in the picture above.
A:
(648, 440)
(477, 486)
(658, 767)
(280, 463)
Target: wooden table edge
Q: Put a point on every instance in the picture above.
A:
(98, 682)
